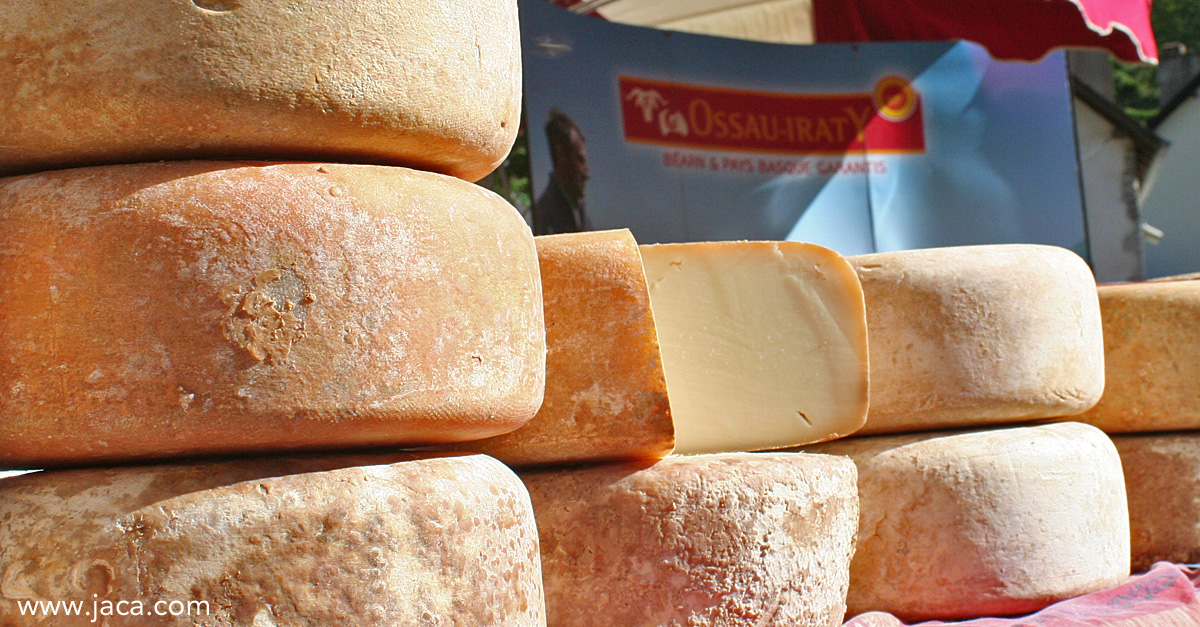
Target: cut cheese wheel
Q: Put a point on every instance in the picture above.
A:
(980, 335)
(605, 394)
(185, 308)
(764, 344)
(431, 84)
(442, 541)
(726, 540)
(985, 523)
(1162, 478)
(1151, 357)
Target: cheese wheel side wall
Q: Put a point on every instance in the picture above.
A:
(320, 541)
(185, 308)
(1151, 338)
(430, 84)
(980, 335)
(724, 540)
(986, 523)
(1162, 478)
(606, 397)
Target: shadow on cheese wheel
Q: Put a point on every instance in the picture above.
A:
(195, 308)
(1151, 357)
(1162, 478)
(430, 84)
(350, 540)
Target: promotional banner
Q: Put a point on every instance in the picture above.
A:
(862, 148)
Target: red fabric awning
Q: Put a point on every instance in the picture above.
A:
(1009, 29)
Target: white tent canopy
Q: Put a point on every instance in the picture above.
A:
(779, 21)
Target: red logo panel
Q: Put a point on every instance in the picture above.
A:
(693, 116)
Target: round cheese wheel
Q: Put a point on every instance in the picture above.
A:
(979, 335)
(185, 308)
(724, 540)
(1162, 478)
(430, 84)
(320, 541)
(1151, 357)
(987, 523)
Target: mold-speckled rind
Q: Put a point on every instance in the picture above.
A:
(606, 398)
(979, 335)
(317, 541)
(429, 84)
(1151, 357)
(985, 523)
(730, 540)
(183, 308)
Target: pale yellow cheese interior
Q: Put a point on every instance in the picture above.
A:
(764, 344)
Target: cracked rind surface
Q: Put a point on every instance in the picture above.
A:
(190, 308)
(606, 398)
(305, 541)
(429, 84)
(1162, 479)
(1151, 359)
(979, 335)
(723, 540)
(985, 523)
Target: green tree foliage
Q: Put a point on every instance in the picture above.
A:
(1137, 88)
(511, 179)
(1177, 20)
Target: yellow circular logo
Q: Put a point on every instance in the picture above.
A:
(894, 99)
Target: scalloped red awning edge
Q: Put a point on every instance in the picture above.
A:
(1009, 29)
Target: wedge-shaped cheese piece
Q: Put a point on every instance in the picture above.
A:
(606, 398)
(185, 308)
(986, 523)
(764, 344)
(1162, 478)
(430, 84)
(980, 335)
(324, 541)
(726, 540)
(1151, 357)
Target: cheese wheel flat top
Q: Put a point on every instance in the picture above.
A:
(764, 344)
(727, 540)
(184, 308)
(985, 523)
(1162, 478)
(1151, 357)
(979, 335)
(606, 398)
(306, 541)
(430, 84)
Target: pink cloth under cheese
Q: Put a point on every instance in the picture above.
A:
(1166, 596)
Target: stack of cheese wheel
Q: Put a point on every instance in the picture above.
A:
(321, 296)
(757, 345)
(709, 350)
(1151, 406)
(963, 513)
(153, 310)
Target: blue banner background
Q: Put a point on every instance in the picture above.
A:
(1000, 164)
